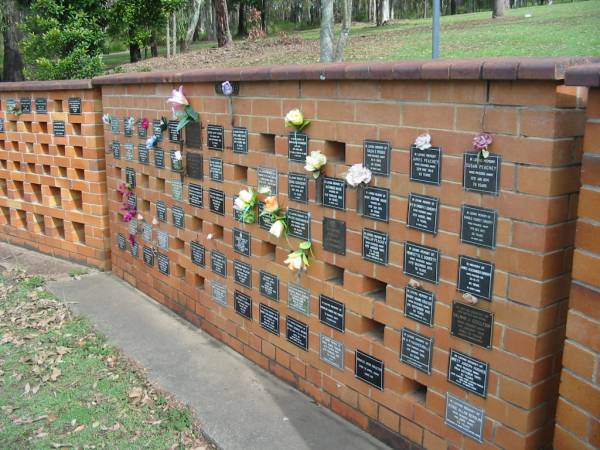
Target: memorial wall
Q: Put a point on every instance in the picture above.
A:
(433, 305)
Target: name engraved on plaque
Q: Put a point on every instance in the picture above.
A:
(215, 169)
(162, 239)
(116, 149)
(132, 201)
(481, 175)
(241, 242)
(157, 129)
(472, 324)
(142, 132)
(193, 165)
(174, 135)
(298, 223)
(423, 213)
(296, 332)
(242, 273)
(161, 211)
(269, 285)
(376, 203)
(2, 125)
(264, 221)
(130, 177)
(421, 262)
(198, 253)
(478, 226)
(377, 156)
(41, 105)
(148, 256)
(467, 372)
(332, 313)
(475, 277)
(219, 292)
(416, 350)
(74, 105)
(128, 126)
(25, 105)
(134, 249)
(331, 351)
(216, 201)
(369, 369)
(195, 196)
(132, 226)
(215, 137)
(129, 150)
(178, 216)
(193, 135)
(419, 305)
(298, 187)
(267, 179)
(58, 127)
(143, 154)
(159, 158)
(297, 147)
(464, 417)
(334, 193)
(426, 165)
(147, 232)
(218, 263)
(163, 263)
(242, 304)
(121, 241)
(269, 318)
(177, 189)
(240, 140)
(334, 235)
(375, 246)
(298, 298)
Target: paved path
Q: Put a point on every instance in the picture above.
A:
(240, 405)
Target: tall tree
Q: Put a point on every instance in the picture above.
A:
(498, 8)
(193, 15)
(11, 16)
(330, 51)
(222, 23)
(345, 31)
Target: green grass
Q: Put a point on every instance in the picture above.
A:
(61, 384)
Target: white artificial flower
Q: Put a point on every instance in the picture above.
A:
(423, 142)
(277, 228)
(177, 155)
(239, 204)
(209, 236)
(294, 261)
(155, 221)
(151, 141)
(358, 174)
(294, 117)
(227, 88)
(246, 195)
(315, 161)
(140, 217)
(106, 119)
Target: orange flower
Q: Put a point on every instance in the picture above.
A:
(271, 204)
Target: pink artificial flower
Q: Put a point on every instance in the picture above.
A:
(128, 216)
(145, 123)
(177, 99)
(122, 189)
(481, 141)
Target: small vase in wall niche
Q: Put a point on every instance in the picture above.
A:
(360, 199)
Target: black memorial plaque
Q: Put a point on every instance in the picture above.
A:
(215, 169)
(121, 241)
(422, 262)
(129, 150)
(334, 193)
(419, 305)
(423, 213)
(193, 135)
(193, 165)
(269, 318)
(195, 197)
(142, 132)
(215, 137)
(218, 263)
(296, 332)
(134, 248)
(298, 298)
(331, 351)
(157, 129)
(176, 165)
(174, 135)
(219, 292)
(41, 105)
(377, 157)
(475, 277)
(416, 350)
(264, 220)
(242, 304)
(132, 201)
(74, 105)
(426, 165)
(161, 211)
(472, 324)
(242, 242)
(178, 217)
(332, 313)
(128, 126)
(481, 175)
(148, 256)
(334, 235)
(159, 157)
(58, 128)
(375, 246)
(163, 263)
(114, 125)
(369, 369)
(242, 273)
(464, 417)
(116, 149)
(298, 223)
(237, 214)
(267, 179)
(216, 201)
(269, 285)
(297, 147)
(198, 253)
(478, 226)
(25, 105)
(130, 177)
(1, 125)
(467, 372)
(143, 154)
(240, 140)
(376, 203)
(298, 187)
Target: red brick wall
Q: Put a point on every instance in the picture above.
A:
(537, 127)
(52, 189)
(578, 411)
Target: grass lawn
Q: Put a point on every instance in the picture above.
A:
(63, 386)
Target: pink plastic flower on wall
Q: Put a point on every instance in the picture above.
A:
(177, 100)
(145, 123)
(481, 143)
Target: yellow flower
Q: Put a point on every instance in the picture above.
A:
(271, 204)
(294, 118)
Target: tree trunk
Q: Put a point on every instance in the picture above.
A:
(222, 22)
(498, 8)
(12, 35)
(326, 35)
(242, 28)
(452, 7)
(192, 23)
(264, 15)
(154, 47)
(135, 53)
(345, 31)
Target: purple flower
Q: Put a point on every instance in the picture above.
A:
(227, 88)
(481, 141)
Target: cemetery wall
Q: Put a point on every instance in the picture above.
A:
(52, 170)
(578, 410)
(414, 365)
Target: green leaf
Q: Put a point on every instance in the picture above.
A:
(305, 245)
(183, 123)
(304, 124)
(305, 259)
